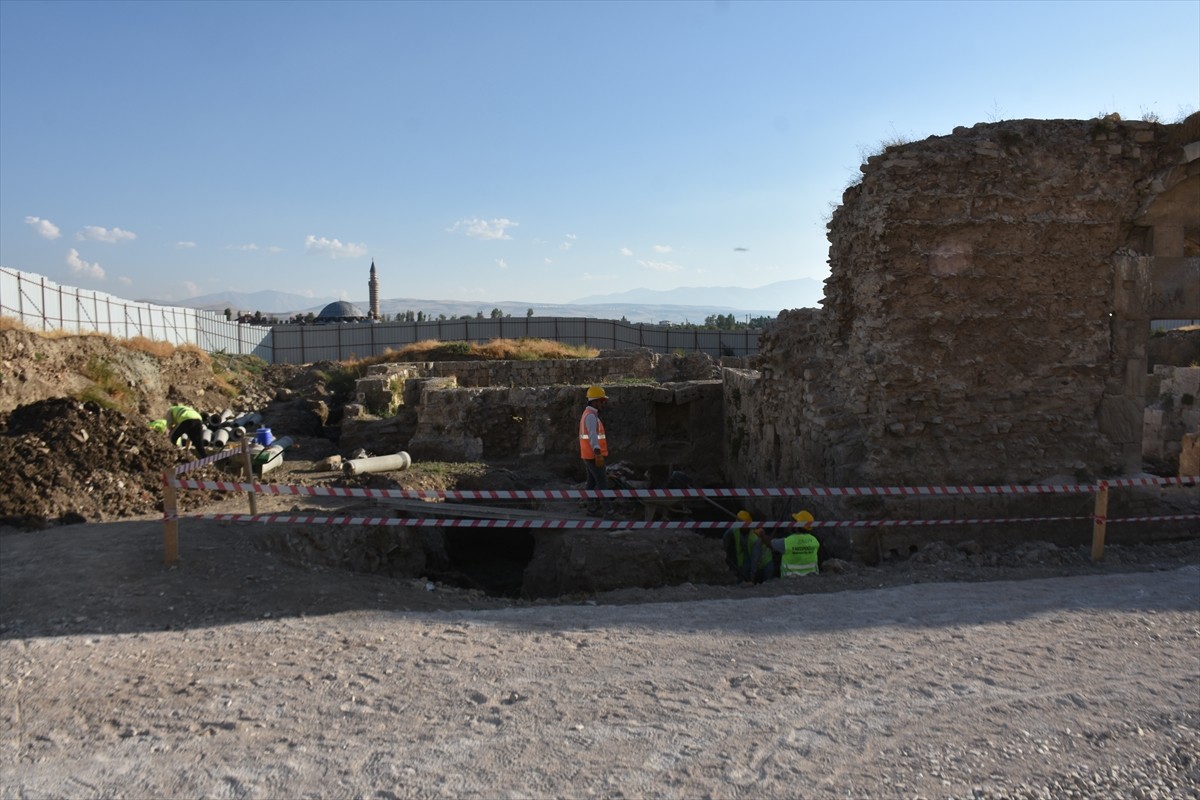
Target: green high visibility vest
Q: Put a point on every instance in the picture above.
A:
(799, 555)
(744, 539)
(178, 414)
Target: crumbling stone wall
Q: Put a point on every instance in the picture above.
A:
(1173, 412)
(664, 410)
(987, 308)
(384, 384)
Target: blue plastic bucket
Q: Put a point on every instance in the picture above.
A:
(263, 436)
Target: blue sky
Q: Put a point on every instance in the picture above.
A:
(491, 151)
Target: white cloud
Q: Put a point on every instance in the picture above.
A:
(484, 228)
(44, 227)
(273, 249)
(191, 288)
(625, 251)
(83, 268)
(333, 248)
(570, 241)
(659, 266)
(245, 248)
(662, 248)
(184, 245)
(501, 263)
(125, 280)
(94, 233)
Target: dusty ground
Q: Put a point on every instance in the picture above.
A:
(1021, 671)
(238, 674)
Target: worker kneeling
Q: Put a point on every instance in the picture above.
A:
(748, 551)
(799, 550)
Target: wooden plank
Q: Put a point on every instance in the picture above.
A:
(170, 521)
(1099, 525)
(422, 508)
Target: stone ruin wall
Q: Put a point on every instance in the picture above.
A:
(988, 304)
(1173, 414)
(664, 411)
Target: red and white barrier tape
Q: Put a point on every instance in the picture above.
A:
(555, 524)
(581, 494)
(1186, 480)
(191, 466)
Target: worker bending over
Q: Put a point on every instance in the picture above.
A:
(186, 420)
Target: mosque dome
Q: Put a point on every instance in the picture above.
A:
(341, 311)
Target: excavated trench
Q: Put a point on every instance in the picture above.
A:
(493, 561)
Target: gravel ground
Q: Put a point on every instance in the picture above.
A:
(238, 674)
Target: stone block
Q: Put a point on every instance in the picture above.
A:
(1189, 456)
(1152, 433)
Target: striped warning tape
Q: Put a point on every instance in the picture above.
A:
(558, 524)
(192, 466)
(581, 494)
(1185, 480)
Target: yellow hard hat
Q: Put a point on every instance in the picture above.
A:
(744, 516)
(596, 393)
(804, 518)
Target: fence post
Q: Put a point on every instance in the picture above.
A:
(1099, 521)
(249, 469)
(170, 519)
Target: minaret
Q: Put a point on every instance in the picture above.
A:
(373, 287)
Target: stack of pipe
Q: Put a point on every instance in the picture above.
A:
(224, 427)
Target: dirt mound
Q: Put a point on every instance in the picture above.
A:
(138, 376)
(70, 461)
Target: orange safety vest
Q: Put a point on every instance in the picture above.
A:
(585, 443)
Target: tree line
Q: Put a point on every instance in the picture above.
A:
(713, 322)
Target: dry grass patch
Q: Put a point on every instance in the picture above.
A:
(158, 349)
(495, 350)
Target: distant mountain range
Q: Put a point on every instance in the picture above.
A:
(686, 304)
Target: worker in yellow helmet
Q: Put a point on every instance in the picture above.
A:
(747, 552)
(799, 550)
(183, 420)
(593, 444)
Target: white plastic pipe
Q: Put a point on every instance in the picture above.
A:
(273, 452)
(361, 466)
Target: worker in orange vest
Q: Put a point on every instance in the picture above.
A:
(593, 444)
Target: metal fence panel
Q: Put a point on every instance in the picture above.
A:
(219, 335)
(482, 331)
(443, 330)
(395, 335)
(42, 304)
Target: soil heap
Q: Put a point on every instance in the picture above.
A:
(69, 461)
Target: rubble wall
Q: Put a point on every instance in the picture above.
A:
(1173, 411)
(656, 427)
(981, 316)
